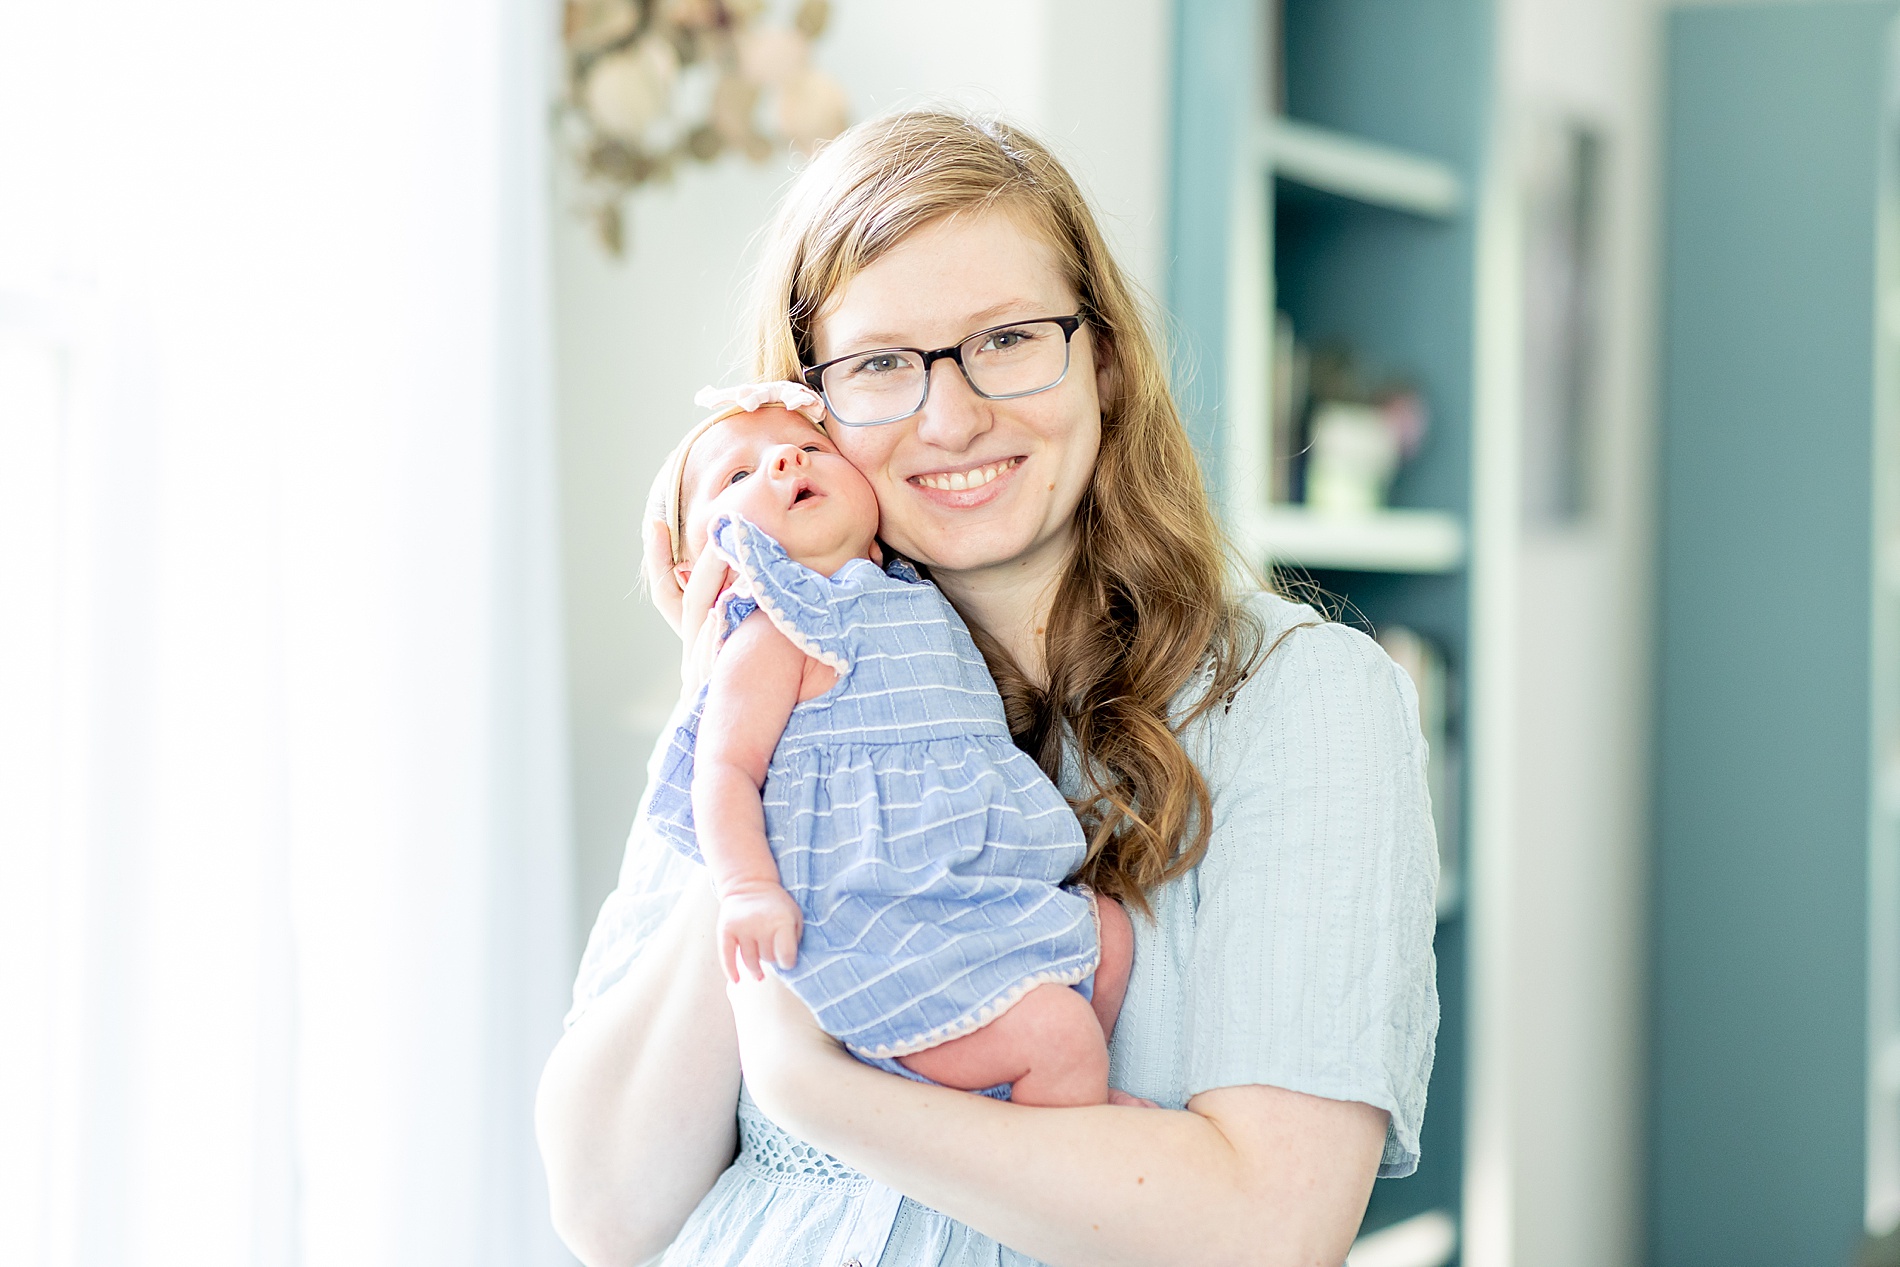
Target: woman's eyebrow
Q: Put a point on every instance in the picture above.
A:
(972, 322)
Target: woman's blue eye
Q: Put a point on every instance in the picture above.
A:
(880, 364)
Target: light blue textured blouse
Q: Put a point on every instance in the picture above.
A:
(1297, 954)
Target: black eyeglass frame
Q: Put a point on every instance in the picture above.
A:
(814, 377)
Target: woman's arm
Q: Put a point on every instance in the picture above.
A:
(1254, 1175)
(636, 1110)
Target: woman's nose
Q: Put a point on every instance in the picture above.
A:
(953, 415)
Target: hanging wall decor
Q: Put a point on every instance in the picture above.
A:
(652, 84)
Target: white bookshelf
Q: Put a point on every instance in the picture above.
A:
(1275, 534)
(1424, 1240)
(1361, 170)
(1385, 541)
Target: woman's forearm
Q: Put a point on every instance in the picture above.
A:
(1258, 1176)
(635, 1114)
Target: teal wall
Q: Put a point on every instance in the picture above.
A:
(1760, 940)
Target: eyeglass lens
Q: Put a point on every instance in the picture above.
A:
(891, 383)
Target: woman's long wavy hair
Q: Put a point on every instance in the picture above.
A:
(1146, 608)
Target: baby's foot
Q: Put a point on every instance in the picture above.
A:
(1129, 1101)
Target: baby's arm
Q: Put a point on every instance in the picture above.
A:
(755, 685)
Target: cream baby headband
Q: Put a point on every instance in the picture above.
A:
(725, 402)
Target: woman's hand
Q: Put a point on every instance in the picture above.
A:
(686, 609)
(785, 1054)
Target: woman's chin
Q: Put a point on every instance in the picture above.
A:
(972, 548)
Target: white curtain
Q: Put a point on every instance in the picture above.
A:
(284, 892)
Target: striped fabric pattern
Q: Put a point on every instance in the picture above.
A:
(925, 849)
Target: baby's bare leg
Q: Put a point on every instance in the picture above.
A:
(1049, 1045)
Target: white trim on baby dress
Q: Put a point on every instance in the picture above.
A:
(990, 1011)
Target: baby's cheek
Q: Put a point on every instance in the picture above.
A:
(749, 499)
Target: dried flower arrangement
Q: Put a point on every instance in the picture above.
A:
(654, 83)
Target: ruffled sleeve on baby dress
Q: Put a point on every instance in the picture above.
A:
(803, 605)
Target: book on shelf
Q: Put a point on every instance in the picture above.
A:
(1425, 665)
(1290, 364)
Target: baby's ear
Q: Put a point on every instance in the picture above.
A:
(682, 574)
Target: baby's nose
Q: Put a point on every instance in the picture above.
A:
(787, 458)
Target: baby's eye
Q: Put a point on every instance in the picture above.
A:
(736, 476)
(814, 448)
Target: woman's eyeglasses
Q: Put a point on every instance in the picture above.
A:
(868, 389)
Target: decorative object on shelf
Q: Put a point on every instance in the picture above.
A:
(655, 83)
(1355, 438)
(1424, 663)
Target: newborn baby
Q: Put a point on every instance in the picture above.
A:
(849, 781)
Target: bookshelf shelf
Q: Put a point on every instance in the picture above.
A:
(1424, 1240)
(1337, 163)
(1421, 541)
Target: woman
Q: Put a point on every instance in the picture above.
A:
(1251, 780)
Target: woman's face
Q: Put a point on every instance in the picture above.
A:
(1024, 463)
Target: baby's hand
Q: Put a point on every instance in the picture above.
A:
(758, 925)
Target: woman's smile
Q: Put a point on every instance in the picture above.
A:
(968, 485)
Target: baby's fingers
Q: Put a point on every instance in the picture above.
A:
(728, 957)
(749, 951)
(785, 947)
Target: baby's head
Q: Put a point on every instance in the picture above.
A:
(777, 468)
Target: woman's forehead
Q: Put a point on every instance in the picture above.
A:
(948, 279)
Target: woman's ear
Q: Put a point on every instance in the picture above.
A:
(1108, 378)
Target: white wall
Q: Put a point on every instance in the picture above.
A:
(636, 338)
(1560, 861)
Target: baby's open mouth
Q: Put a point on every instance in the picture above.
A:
(805, 492)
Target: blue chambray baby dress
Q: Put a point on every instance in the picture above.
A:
(925, 849)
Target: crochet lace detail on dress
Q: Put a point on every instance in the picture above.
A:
(768, 1153)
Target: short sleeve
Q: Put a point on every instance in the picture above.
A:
(653, 874)
(1312, 965)
(801, 603)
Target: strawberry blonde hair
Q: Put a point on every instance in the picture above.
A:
(1145, 609)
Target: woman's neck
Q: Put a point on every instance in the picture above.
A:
(1011, 602)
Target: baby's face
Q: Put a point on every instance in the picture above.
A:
(779, 471)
